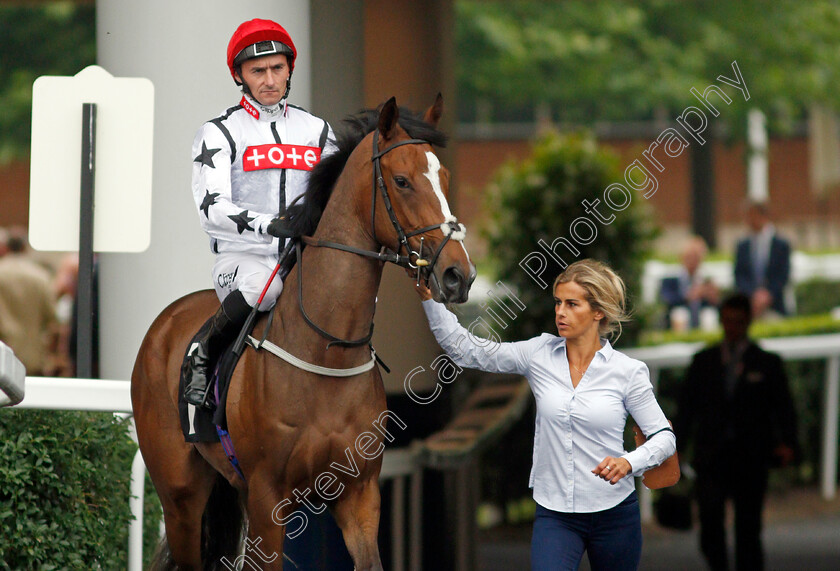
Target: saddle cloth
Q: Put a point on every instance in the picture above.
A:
(199, 424)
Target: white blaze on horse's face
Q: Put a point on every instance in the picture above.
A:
(433, 174)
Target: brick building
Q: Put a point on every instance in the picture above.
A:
(811, 220)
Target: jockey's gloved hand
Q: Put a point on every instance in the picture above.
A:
(304, 224)
(279, 227)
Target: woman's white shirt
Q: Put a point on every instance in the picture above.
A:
(576, 427)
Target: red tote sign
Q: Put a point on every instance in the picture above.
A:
(280, 157)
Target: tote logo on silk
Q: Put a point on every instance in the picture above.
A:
(277, 156)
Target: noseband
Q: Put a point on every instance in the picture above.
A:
(451, 229)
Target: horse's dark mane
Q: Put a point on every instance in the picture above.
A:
(349, 134)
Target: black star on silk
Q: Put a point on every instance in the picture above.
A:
(209, 200)
(242, 220)
(206, 156)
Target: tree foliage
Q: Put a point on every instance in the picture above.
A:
(538, 198)
(48, 38)
(614, 60)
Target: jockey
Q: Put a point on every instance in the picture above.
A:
(249, 164)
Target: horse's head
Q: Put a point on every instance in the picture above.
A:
(410, 208)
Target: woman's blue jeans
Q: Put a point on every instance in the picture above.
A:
(612, 538)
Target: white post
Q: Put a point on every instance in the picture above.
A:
(757, 187)
(135, 504)
(829, 451)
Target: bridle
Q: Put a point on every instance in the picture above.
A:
(451, 228)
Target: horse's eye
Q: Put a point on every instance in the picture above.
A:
(402, 183)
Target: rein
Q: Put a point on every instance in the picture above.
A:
(333, 339)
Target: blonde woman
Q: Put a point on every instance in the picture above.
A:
(584, 390)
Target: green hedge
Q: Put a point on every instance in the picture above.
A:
(818, 295)
(790, 327)
(64, 489)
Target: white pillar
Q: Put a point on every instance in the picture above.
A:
(829, 449)
(181, 46)
(757, 185)
(135, 503)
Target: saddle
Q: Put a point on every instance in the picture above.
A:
(199, 424)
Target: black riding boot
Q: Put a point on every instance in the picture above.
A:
(214, 335)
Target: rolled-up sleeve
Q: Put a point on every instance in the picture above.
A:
(641, 403)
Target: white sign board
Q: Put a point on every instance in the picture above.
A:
(123, 180)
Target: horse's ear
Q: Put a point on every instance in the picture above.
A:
(388, 117)
(434, 112)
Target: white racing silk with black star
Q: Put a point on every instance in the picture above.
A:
(249, 164)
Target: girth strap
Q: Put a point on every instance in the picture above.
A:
(317, 369)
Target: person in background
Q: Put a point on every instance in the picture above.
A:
(64, 287)
(28, 323)
(584, 390)
(689, 290)
(762, 264)
(736, 414)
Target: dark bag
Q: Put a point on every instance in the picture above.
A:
(673, 510)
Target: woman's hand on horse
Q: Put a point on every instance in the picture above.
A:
(612, 469)
(423, 291)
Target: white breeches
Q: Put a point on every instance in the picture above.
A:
(248, 273)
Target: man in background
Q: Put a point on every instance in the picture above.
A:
(689, 290)
(736, 417)
(762, 264)
(28, 322)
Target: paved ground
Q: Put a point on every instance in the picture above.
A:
(801, 533)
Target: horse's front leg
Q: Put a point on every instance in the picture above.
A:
(357, 514)
(268, 514)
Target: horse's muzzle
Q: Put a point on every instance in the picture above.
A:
(454, 285)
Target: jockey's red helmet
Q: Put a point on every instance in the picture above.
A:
(257, 38)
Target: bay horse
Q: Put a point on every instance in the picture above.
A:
(382, 195)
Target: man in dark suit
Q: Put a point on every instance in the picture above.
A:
(762, 263)
(737, 417)
(689, 289)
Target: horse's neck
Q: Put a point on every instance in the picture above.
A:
(339, 288)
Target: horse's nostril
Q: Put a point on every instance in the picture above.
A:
(452, 279)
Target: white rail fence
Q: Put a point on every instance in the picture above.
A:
(58, 393)
(404, 467)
